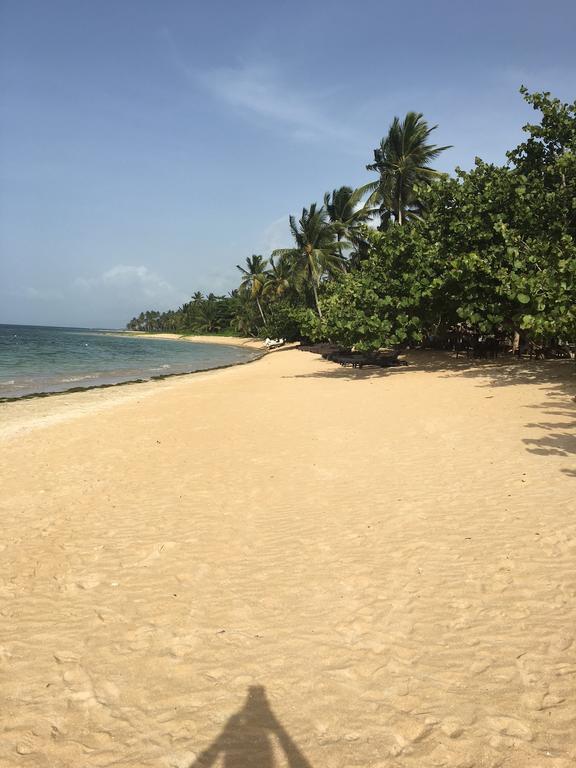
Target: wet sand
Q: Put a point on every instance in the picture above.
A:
(290, 565)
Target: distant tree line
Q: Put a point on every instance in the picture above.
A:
(202, 314)
(416, 254)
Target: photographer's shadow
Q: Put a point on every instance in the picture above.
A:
(247, 739)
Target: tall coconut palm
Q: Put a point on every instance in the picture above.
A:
(279, 280)
(244, 318)
(254, 278)
(192, 310)
(208, 316)
(402, 160)
(347, 213)
(316, 252)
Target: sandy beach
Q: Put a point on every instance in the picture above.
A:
(235, 341)
(288, 564)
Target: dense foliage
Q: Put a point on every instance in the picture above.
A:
(202, 314)
(489, 251)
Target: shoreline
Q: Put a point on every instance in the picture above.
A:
(235, 341)
(31, 412)
(231, 341)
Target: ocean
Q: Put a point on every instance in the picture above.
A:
(41, 359)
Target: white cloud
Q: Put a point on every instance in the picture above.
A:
(218, 281)
(130, 282)
(258, 91)
(276, 235)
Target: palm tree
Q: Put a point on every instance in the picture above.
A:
(254, 278)
(345, 212)
(402, 160)
(347, 215)
(278, 283)
(210, 314)
(243, 317)
(193, 310)
(316, 252)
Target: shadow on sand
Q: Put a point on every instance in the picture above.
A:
(501, 372)
(556, 379)
(250, 737)
(560, 435)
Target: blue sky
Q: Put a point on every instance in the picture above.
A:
(148, 146)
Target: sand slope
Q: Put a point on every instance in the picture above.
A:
(286, 564)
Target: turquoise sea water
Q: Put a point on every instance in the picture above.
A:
(37, 359)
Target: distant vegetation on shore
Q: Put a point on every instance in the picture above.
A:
(415, 254)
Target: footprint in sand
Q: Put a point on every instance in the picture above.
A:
(90, 581)
(409, 730)
(106, 692)
(480, 666)
(452, 728)
(27, 743)
(510, 726)
(531, 668)
(538, 701)
(149, 556)
(80, 690)
(561, 641)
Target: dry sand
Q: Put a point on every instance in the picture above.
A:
(234, 341)
(287, 564)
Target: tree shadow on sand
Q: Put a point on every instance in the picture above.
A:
(249, 737)
(559, 438)
(554, 435)
(501, 372)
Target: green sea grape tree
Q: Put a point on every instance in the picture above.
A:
(507, 233)
(495, 251)
(387, 299)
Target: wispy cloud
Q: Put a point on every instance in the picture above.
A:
(218, 281)
(276, 235)
(130, 281)
(34, 294)
(259, 91)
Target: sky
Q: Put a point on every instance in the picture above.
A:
(149, 146)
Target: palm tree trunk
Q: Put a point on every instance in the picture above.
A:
(260, 309)
(342, 263)
(316, 300)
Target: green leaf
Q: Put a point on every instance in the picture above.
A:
(527, 321)
(523, 298)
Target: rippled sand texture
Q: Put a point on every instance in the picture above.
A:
(289, 565)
